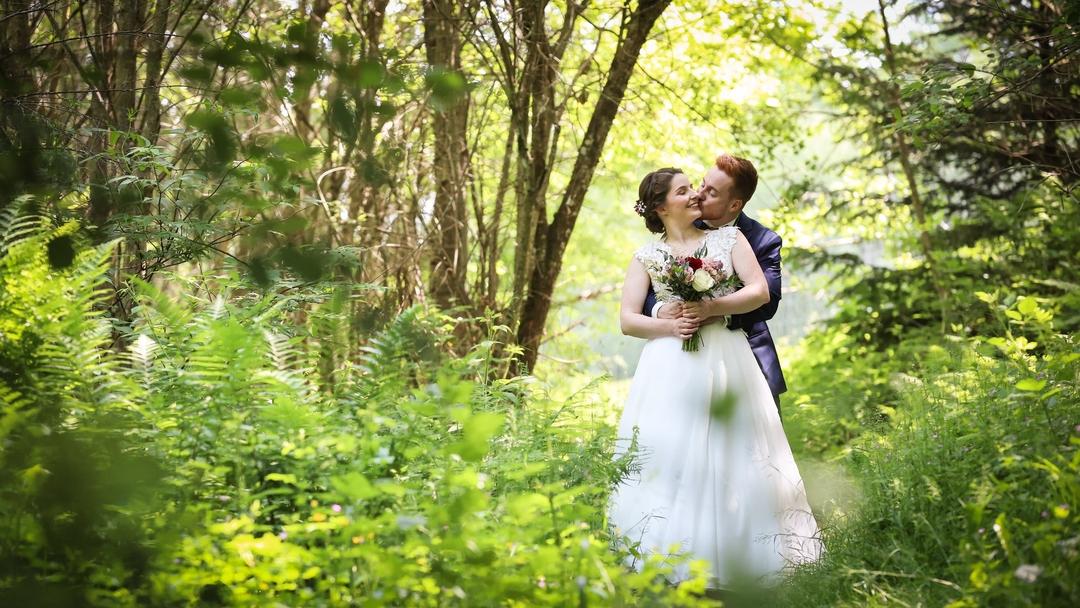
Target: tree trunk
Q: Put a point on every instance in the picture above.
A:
(450, 229)
(554, 237)
(150, 126)
(537, 129)
(918, 207)
(128, 21)
(302, 105)
(101, 196)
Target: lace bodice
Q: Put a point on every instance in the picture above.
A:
(718, 246)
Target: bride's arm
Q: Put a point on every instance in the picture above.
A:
(753, 295)
(634, 323)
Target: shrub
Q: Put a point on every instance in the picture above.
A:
(207, 454)
(970, 496)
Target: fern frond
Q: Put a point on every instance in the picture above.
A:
(14, 410)
(142, 352)
(17, 223)
(156, 315)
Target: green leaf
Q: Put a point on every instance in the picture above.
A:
(370, 74)
(1031, 384)
(292, 147)
(288, 478)
(447, 87)
(241, 96)
(342, 117)
(355, 486)
(479, 430)
(308, 264)
(1026, 306)
(222, 145)
(198, 73)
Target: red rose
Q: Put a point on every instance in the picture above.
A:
(695, 263)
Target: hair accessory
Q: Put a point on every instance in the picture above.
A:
(639, 207)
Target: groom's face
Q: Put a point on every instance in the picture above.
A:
(718, 202)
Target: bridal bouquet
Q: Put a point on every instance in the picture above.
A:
(694, 278)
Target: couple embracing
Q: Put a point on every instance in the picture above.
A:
(716, 479)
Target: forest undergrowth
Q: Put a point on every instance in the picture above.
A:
(204, 453)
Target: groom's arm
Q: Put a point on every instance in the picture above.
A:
(650, 302)
(653, 307)
(769, 258)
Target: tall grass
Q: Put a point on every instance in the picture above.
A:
(971, 495)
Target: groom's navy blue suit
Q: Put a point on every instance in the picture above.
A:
(766, 245)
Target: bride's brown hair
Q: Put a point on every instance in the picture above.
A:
(652, 192)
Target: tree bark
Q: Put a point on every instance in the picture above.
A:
(536, 120)
(302, 105)
(150, 126)
(101, 199)
(450, 228)
(551, 239)
(918, 207)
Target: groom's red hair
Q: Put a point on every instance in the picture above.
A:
(742, 172)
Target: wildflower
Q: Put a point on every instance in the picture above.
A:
(1028, 573)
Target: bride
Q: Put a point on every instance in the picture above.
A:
(716, 479)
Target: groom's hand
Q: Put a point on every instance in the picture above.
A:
(671, 310)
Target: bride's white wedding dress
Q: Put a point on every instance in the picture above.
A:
(717, 479)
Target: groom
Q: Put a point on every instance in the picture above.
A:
(725, 190)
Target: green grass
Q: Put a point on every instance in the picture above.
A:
(969, 496)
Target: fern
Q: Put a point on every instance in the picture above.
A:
(17, 223)
(410, 338)
(15, 412)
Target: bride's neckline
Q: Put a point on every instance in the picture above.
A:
(688, 251)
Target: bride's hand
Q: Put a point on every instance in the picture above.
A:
(695, 312)
(683, 328)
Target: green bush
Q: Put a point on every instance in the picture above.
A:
(971, 496)
(206, 453)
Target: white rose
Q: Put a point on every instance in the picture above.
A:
(703, 281)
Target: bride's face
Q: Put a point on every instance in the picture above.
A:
(682, 205)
